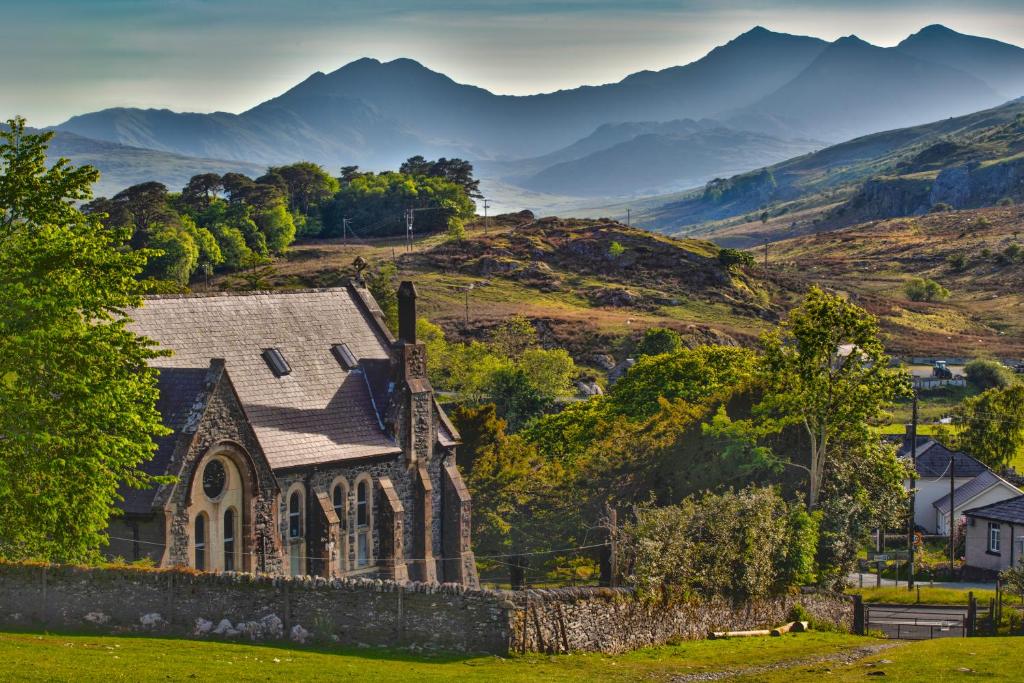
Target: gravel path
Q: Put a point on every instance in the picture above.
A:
(843, 657)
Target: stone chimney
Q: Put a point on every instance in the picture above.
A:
(407, 312)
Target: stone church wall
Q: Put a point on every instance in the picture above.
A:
(373, 612)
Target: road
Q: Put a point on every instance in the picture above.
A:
(871, 580)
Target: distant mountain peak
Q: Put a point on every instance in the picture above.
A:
(852, 41)
(937, 29)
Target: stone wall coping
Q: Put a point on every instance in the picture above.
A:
(511, 599)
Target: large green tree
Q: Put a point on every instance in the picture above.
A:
(77, 399)
(990, 426)
(825, 370)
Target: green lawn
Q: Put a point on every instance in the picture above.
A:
(53, 657)
(929, 595)
(943, 659)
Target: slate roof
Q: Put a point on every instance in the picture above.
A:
(182, 390)
(933, 459)
(318, 413)
(1011, 511)
(975, 487)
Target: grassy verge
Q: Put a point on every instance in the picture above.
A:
(51, 657)
(943, 659)
(930, 595)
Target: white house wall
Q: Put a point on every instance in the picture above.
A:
(929, 491)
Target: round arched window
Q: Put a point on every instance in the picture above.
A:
(214, 478)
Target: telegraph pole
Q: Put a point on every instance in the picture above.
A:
(913, 485)
(629, 222)
(487, 205)
(408, 229)
(952, 507)
(766, 257)
(344, 228)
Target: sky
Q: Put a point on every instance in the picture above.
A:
(66, 57)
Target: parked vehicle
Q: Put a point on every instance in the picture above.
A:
(941, 371)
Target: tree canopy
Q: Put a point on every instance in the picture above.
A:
(77, 399)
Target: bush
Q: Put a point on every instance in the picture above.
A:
(734, 257)
(958, 262)
(987, 374)
(923, 289)
(736, 545)
(1005, 201)
(659, 340)
(941, 207)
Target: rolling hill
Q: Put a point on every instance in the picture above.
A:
(875, 176)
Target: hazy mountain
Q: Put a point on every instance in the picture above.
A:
(777, 85)
(1000, 65)
(887, 163)
(854, 88)
(665, 161)
(121, 166)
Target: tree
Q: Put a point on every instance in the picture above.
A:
(201, 190)
(175, 255)
(514, 336)
(990, 426)
(659, 340)
(985, 374)
(825, 370)
(277, 227)
(381, 283)
(306, 185)
(923, 289)
(734, 257)
(481, 429)
(77, 398)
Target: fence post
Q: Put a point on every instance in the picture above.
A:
(972, 614)
(858, 615)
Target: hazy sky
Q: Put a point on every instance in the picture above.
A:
(62, 57)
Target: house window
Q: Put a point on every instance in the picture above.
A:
(229, 540)
(993, 537)
(200, 542)
(363, 523)
(295, 515)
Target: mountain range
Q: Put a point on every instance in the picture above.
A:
(756, 100)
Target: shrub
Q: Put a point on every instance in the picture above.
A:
(986, 374)
(734, 257)
(615, 250)
(941, 207)
(1013, 253)
(736, 544)
(659, 340)
(923, 289)
(1005, 201)
(958, 262)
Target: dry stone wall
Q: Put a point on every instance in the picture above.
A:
(366, 612)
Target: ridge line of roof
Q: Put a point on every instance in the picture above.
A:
(248, 292)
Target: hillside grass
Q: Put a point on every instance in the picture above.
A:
(55, 657)
(929, 595)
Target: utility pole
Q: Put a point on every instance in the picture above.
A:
(629, 222)
(766, 257)
(469, 288)
(408, 229)
(344, 228)
(913, 485)
(952, 508)
(487, 205)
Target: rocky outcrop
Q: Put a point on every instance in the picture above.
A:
(976, 185)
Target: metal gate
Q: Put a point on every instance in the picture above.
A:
(917, 622)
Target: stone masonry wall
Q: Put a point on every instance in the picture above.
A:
(611, 620)
(373, 612)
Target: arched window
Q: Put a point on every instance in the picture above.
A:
(364, 513)
(339, 498)
(296, 531)
(200, 542)
(295, 515)
(229, 539)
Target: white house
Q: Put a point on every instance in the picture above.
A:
(933, 477)
(985, 489)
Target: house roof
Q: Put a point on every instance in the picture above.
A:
(1011, 511)
(965, 493)
(317, 413)
(933, 459)
(183, 393)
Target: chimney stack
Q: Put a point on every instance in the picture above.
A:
(407, 312)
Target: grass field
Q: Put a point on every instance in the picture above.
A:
(49, 657)
(54, 657)
(930, 595)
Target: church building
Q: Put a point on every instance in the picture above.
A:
(306, 440)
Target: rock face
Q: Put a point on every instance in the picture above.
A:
(977, 185)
